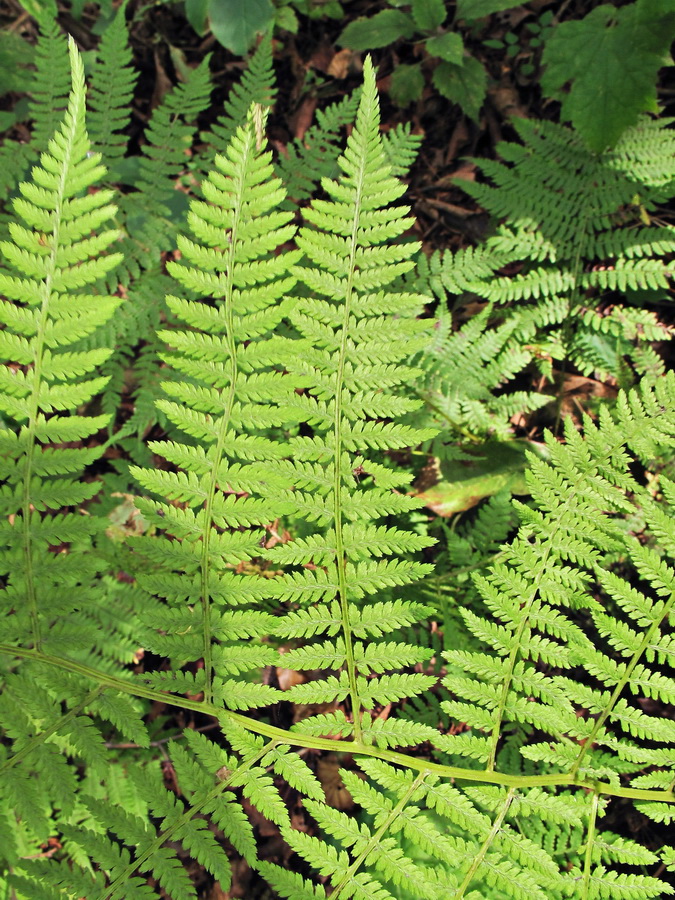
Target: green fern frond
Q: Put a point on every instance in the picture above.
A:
(348, 263)
(238, 227)
(52, 83)
(257, 85)
(44, 314)
(577, 237)
(111, 92)
(462, 370)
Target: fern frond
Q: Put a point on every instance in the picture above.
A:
(257, 85)
(111, 92)
(568, 239)
(305, 162)
(46, 381)
(348, 263)
(235, 230)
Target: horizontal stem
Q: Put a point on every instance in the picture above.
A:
(297, 739)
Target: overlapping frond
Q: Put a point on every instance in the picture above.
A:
(358, 329)
(464, 369)
(111, 93)
(49, 86)
(56, 254)
(256, 85)
(227, 390)
(582, 237)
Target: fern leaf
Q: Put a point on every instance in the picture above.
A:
(238, 229)
(57, 260)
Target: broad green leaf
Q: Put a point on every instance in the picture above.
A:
(477, 9)
(385, 27)
(465, 85)
(407, 84)
(448, 46)
(428, 14)
(196, 12)
(610, 60)
(464, 483)
(235, 24)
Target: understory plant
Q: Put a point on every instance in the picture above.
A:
(267, 596)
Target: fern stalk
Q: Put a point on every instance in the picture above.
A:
(300, 739)
(590, 842)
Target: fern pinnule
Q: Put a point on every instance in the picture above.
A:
(45, 313)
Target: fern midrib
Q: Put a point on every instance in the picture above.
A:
(299, 739)
(205, 562)
(590, 840)
(619, 688)
(34, 404)
(340, 556)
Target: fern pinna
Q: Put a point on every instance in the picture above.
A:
(282, 390)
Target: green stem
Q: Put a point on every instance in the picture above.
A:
(298, 739)
(487, 843)
(590, 840)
